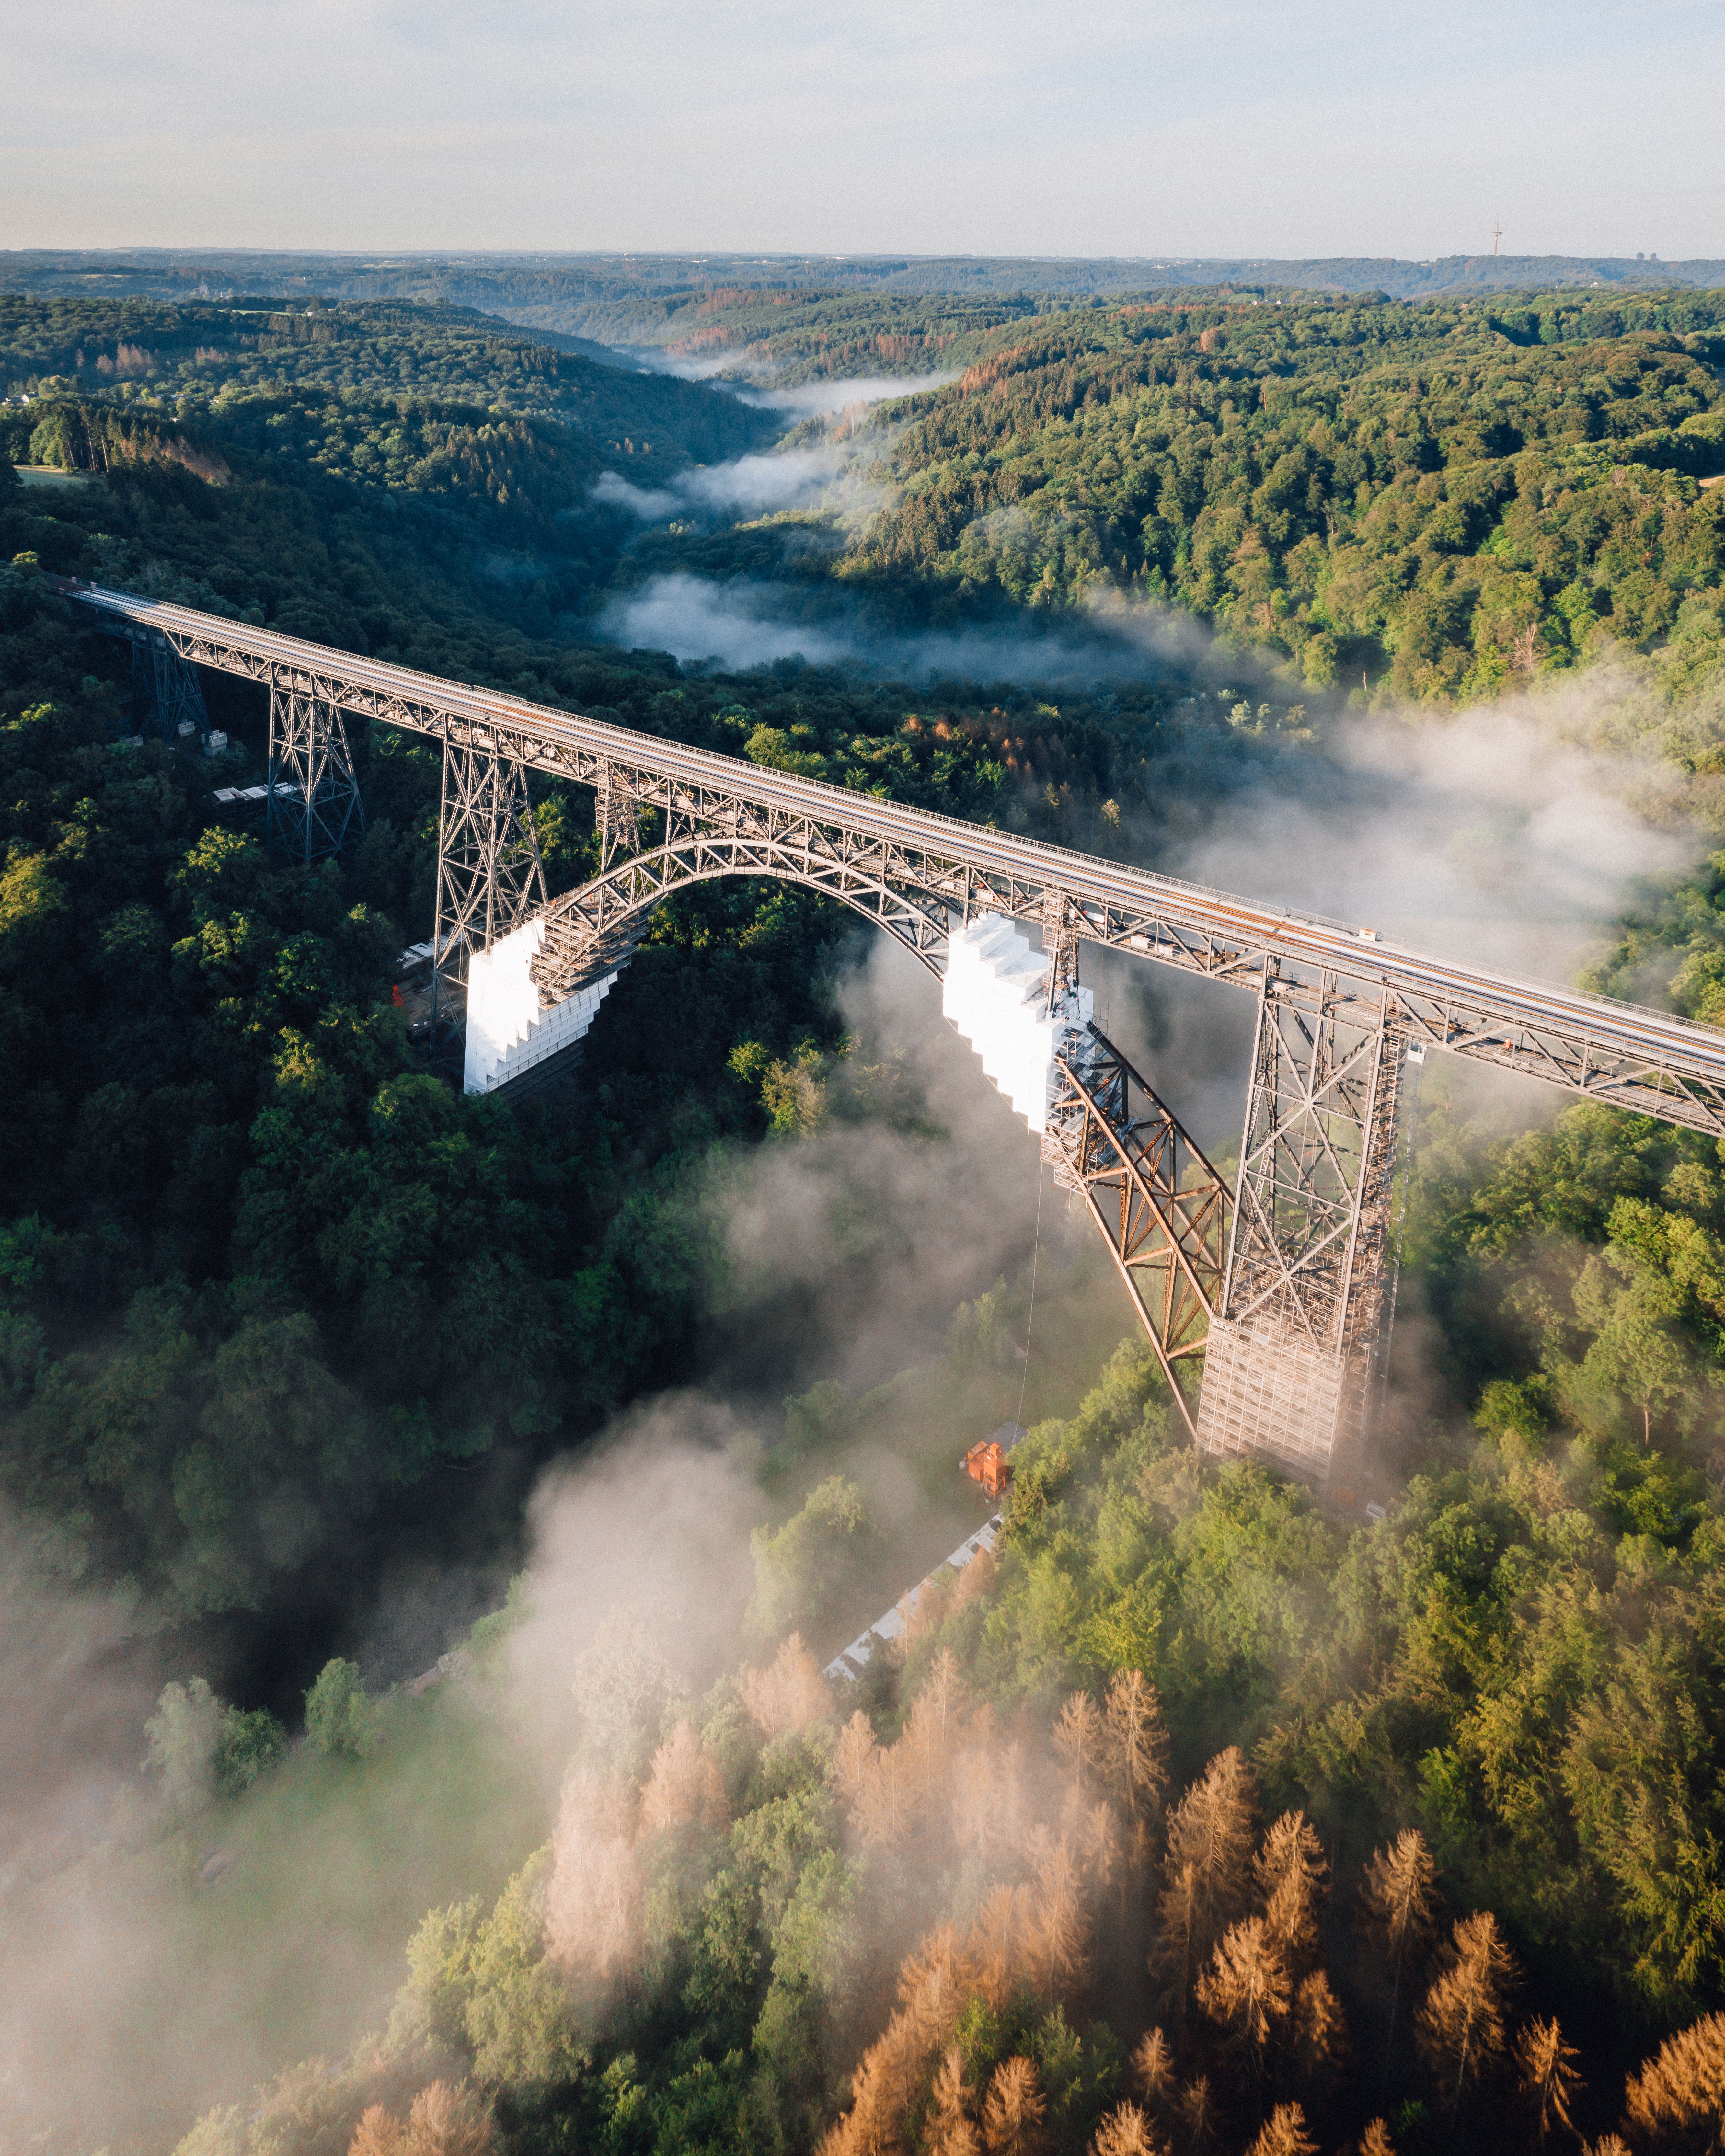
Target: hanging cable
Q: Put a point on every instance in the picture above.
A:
(1030, 1314)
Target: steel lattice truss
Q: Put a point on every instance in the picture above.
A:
(1314, 1184)
(164, 690)
(1162, 1209)
(906, 868)
(489, 876)
(314, 805)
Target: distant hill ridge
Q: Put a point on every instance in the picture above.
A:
(628, 297)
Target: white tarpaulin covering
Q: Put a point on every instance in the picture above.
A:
(995, 992)
(507, 1033)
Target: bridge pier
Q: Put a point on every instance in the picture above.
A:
(490, 881)
(1294, 1361)
(165, 692)
(313, 806)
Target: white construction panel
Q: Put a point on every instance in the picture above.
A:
(507, 1032)
(995, 992)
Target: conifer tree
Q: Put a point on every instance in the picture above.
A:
(1206, 1869)
(1681, 2088)
(1400, 1896)
(1247, 1990)
(1013, 2118)
(1078, 1735)
(952, 2129)
(1548, 2079)
(1284, 2134)
(1136, 1743)
(1126, 2131)
(1461, 2024)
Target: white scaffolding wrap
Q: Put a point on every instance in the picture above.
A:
(507, 1032)
(995, 992)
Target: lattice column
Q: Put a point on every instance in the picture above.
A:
(489, 876)
(1290, 1363)
(165, 690)
(1059, 940)
(314, 807)
(617, 819)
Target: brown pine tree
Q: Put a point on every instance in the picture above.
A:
(593, 1902)
(1460, 2026)
(1078, 1738)
(1178, 1948)
(1136, 1743)
(446, 2120)
(1293, 1875)
(1206, 1868)
(946, 1694)
(1247, 1990)
(1056, 1935)
(1126, 2131)
(887, 1801)
(988, 1800)
(853, 1758)
(1200, 2114)
(1317, 2029)
(952, 2129)
(1375, 2141)
(1546, 2078)
(994, 1943)
(933, 1985)
(378, 2134)
(1152, 2065)
(791, 1694)
(1284, 2134)
(1682, 2087)
(685, 1788)
(1013, 2118)
(1400, 1897)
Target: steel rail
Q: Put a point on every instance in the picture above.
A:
(1650, 1061)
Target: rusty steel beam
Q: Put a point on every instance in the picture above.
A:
(1162, 1210)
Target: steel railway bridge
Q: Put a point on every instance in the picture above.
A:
(1281, 1283)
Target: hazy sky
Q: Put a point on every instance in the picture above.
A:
(1309, 127)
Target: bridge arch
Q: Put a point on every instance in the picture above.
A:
(590, 931)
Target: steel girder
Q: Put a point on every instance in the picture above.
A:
(313, 807)
(1647, 1061)
(1162, 1209)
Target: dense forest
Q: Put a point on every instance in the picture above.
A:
(1202, 1815)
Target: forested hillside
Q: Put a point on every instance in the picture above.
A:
(1455, 496)
(1203, 1815)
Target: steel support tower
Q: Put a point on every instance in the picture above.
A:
(314, 808)
(489, 879)
(1293, 1360)
(165, 690)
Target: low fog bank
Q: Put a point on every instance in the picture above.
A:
(822, 474)
(283, 1918)
(1502, 836)
(847, 1252)
(743, 623)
